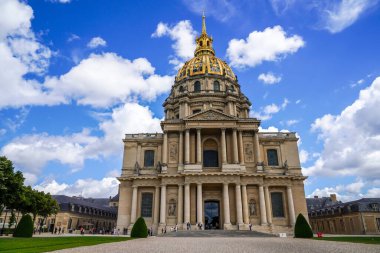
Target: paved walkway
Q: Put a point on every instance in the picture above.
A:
(215, 233)
(226, 245)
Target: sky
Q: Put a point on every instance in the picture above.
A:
(76, 75)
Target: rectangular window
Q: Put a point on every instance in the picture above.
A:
(272, 157)
(149, 158)
(146, 204)
(378, 224)
(277, 205)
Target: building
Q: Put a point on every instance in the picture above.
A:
(323, 202)
(211, 165)
(74, 213)
(356, 217)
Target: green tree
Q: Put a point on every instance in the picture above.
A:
(11, 185)
(302, 228)
(139, 229)
(12, 219)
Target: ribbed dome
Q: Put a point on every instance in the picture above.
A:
(204, 60)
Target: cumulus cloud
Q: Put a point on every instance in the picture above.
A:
(183, 36)
(351, 140)
(272, 44)
(344, 193)
(338, 15)
(220, 10)
(31, 153)
(272, 129)
(269, 78)
(267, 112)
(88, 188)
(96, 42)
(304, 156)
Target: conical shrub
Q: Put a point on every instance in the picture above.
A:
(139, 229)
(24, 227)
(302, 228)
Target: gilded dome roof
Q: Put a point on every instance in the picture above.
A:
(204, 60)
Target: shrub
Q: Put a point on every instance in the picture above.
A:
(302, 228)
(24, 227)
(139, 229)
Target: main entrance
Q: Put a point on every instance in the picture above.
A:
(212, 212)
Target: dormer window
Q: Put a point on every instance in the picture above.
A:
(197, 86)
(216, 86)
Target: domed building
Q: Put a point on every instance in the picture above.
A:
(211, 168)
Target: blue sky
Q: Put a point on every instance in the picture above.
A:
(77, 75)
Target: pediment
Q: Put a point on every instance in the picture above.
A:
(210, 115)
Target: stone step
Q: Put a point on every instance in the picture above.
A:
(215, 233)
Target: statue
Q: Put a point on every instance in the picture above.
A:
(172, 207)
(137, 168)
(159, 167)
(252, 207)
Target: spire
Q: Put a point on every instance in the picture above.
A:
(204, 23)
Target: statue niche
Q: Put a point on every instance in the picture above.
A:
(172, 207)
(252, 207)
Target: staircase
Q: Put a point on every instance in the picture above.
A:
(215, 233)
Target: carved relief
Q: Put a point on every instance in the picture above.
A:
(248, 152)
(173, 152)
(211, 115)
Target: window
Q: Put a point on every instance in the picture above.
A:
(146, 204)
(149, 158)
(197, 86)
(216, 86)
(277, 205)
(181, 89)
(272, 157)
(196, 111)
(378, 224)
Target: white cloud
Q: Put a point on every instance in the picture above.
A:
(304, 156)
(269, 78)
(272, 44)
(281, 6)
(183, 36)
(89, 187)
(340, 15)
(96, 42)
(107, 79)
(73, 37)
(221, 10)
(349, 192)
(272, 129)
(268, 111)
(351, 140)
(31, 153)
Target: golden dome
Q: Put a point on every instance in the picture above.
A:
(204, 60)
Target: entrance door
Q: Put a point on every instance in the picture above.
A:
(212, 211)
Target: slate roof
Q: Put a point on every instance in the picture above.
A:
(360, 205)
(318, 203)
(97, 203)
(115, 198)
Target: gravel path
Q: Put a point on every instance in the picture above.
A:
(221, 245)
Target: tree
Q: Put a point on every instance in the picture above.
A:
(139, 229)
(11, 185)
(24, 227)
(302, 228)
(12, 219)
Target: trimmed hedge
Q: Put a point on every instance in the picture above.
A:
(302, 228)
(139, 229)
(24, 227)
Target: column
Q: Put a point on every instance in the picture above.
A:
(292, 215)
(187, 146)
(226, 204)
(245, 204)
(163, 205)
(156, 205)
(235, 146)
(199, 146)
(134, 204)
(239, 211)
(241, 149)
(124, 209)
(165, 149)
(224, 150)
(199, 204)
(263, 215)
(180, 205)
(257, 148)
(187, 203)
(268, 204)
(180, 148)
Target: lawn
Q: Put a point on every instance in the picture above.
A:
(39, 244)
(358, 239)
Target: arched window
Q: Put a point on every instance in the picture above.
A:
(272, 157)
(210, 154)
(216, 86)
(197, 86)
(149, 158)
(181, 89)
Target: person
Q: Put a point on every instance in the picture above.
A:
(81, 231)
(151, 231)
(176, 227)
(162, 230)
(55, 230)
(250, 227)
(63, 230)
(59, 230)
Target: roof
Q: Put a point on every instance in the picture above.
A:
(98, 203)
(115, 198)
(318, 203)
(360, 205)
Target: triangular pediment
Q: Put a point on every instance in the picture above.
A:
(210, 114)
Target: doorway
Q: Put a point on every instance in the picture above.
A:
(212, 213)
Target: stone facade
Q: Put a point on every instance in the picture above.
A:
(211, 165)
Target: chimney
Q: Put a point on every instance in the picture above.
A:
(333, 197)
(315, 197)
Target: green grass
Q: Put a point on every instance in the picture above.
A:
(358, 239)
(39, 244)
